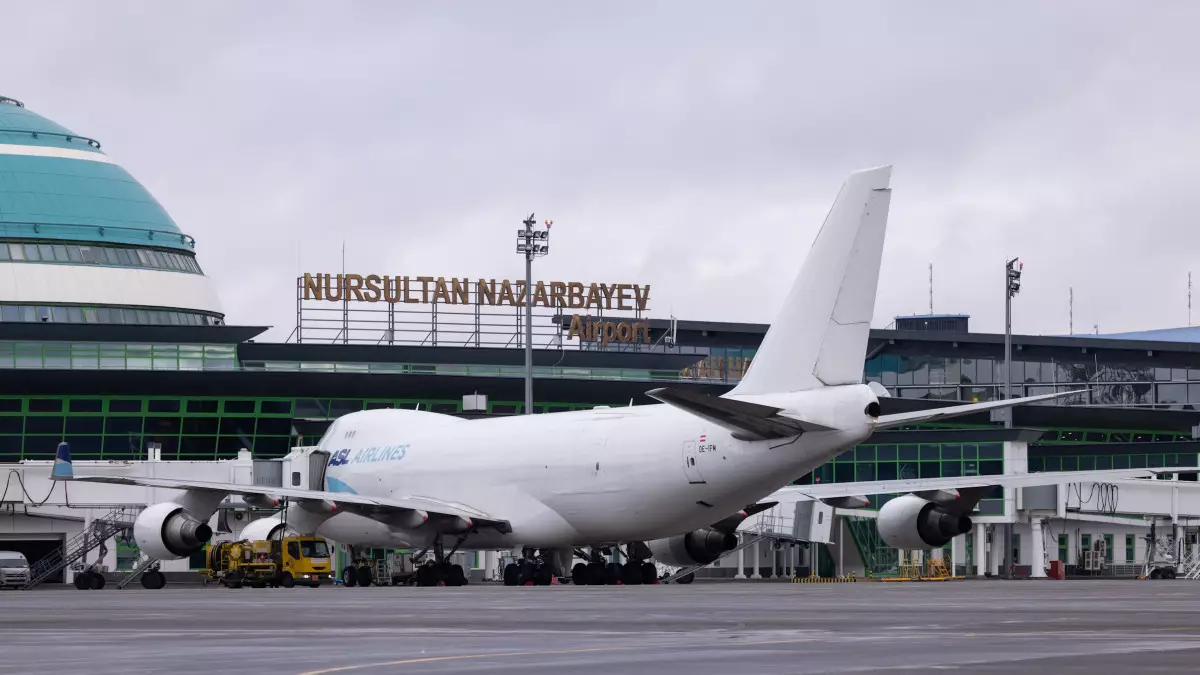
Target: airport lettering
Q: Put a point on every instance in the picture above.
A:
(388, 453)
(605, 332)
(463, 291)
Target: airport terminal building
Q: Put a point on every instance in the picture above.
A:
(112, 338)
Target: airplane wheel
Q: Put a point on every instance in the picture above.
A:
(98, 581)
(595, 574)
(455, 576)
(649, 573)
(364, 576)
(612, 574)
(83, 581)
(512, 574)
(153, 580)
(287, 580)
(527, 573)
(687, 578)
(631, 573)
(349, 577)
(579, 574)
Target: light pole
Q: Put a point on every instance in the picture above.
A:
(532, 244)
(1012, 286)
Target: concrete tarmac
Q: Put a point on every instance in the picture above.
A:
(981, 627)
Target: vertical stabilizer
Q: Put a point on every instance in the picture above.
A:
(820, 336)
(62, 469)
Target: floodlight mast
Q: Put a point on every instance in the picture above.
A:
(532, 243)
(1012, 286)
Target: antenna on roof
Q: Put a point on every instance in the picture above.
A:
(1071, 311)
(1189, 298)
(931, 288)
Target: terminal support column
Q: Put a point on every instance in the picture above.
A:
(741, 573)
(1179, 549)
(1038, 555)
(754, 563)
(995, 550)
(980, 550)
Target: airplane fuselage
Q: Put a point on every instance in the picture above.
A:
(577, 478)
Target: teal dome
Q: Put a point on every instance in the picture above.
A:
(57, 185)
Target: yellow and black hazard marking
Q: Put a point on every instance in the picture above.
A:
(824, 580)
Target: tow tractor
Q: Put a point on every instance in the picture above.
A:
(279, 562)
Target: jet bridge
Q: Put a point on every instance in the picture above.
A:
(797, 524)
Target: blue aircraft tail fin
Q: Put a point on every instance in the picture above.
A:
(62, 464)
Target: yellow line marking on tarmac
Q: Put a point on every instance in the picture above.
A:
(587, 650)
(461, 657)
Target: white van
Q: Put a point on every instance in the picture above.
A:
(14, 569)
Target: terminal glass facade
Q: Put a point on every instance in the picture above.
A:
(1110, 382)
(116, 356)
(91, 254)
(192, 428)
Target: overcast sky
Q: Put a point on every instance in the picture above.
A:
(691, 146)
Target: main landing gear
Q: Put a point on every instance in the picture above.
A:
(358, 572)
(439, 571)
(534, 569)
(600, 572)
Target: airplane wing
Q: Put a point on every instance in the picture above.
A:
(747, 421)
(927, 487)
(372, 507)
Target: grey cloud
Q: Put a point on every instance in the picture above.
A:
(692, 146)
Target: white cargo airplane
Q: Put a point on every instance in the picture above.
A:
(669, 481)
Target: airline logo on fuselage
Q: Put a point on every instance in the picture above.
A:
(387, 453)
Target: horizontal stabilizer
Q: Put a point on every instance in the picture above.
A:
(935, 414)
(747, 421)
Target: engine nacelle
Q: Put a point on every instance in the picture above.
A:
(697, 547)
(166, 531)
(265, 529)
(913, 523)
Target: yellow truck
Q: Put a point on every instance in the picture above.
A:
(280, 562)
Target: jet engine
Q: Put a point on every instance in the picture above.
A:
(914, 523)
(167, 532)
(697, 547)
(263, 529)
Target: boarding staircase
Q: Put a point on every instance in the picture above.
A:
(1189, 567)
(878, 558)
(76, 548)
(770, 525)
(144, 562)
